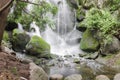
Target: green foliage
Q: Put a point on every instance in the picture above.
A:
(102, 21)
(37, 14)
(113, 4)
(18, 8)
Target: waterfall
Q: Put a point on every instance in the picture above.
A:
(65, 39)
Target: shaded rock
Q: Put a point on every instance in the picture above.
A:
(81, 27)
(19, 40)
(37, 73)
(102, 77)
(117, 76)
(92, 55)
(73, 3)
(88, 42)
(10, 26)
(56, 77)
(113, 47)
(74, 77)
(38, 47)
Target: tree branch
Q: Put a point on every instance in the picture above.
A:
(29, 2)
(6, 6)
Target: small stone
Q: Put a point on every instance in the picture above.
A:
(56, 77)
(76, 60)
(117, 76)
(102, 77)
(74, 77)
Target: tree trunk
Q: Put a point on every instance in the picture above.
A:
(3, 17)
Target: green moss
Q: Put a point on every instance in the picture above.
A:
(38, 46)
(6, 36)
(88, 42)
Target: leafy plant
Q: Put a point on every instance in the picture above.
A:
(103, 21)
(37, 14)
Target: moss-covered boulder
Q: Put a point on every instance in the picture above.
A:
(88, 42)
(38, 47)
(19, 40)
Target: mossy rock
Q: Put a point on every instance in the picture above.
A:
(88, 42)
(38, 47)
(19, 40)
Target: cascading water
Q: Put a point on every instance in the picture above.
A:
(64, 40)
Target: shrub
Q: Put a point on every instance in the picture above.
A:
(103, 21)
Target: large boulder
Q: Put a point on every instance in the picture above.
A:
(117, 76)
(38, 47)
(19, 40)
(37, 73)
(113, 47)
(102, 77)
(88, 42)
(74, 77)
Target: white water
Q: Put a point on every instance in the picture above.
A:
(64, 40)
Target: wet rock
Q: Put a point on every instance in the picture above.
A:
(88, 42)
(82, 54)
(68, 56)
(76, 60)
(117, 76)
(102, 77)
(19, 40)
(91, 55)
(73, 3)
(37, 73)
(56, 77)
(74, 77)
(38, 47)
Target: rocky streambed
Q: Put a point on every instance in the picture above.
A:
(72, 68)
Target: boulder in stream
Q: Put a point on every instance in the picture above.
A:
(19, 40)
(38, 47)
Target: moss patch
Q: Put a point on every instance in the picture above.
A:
(88, 42)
